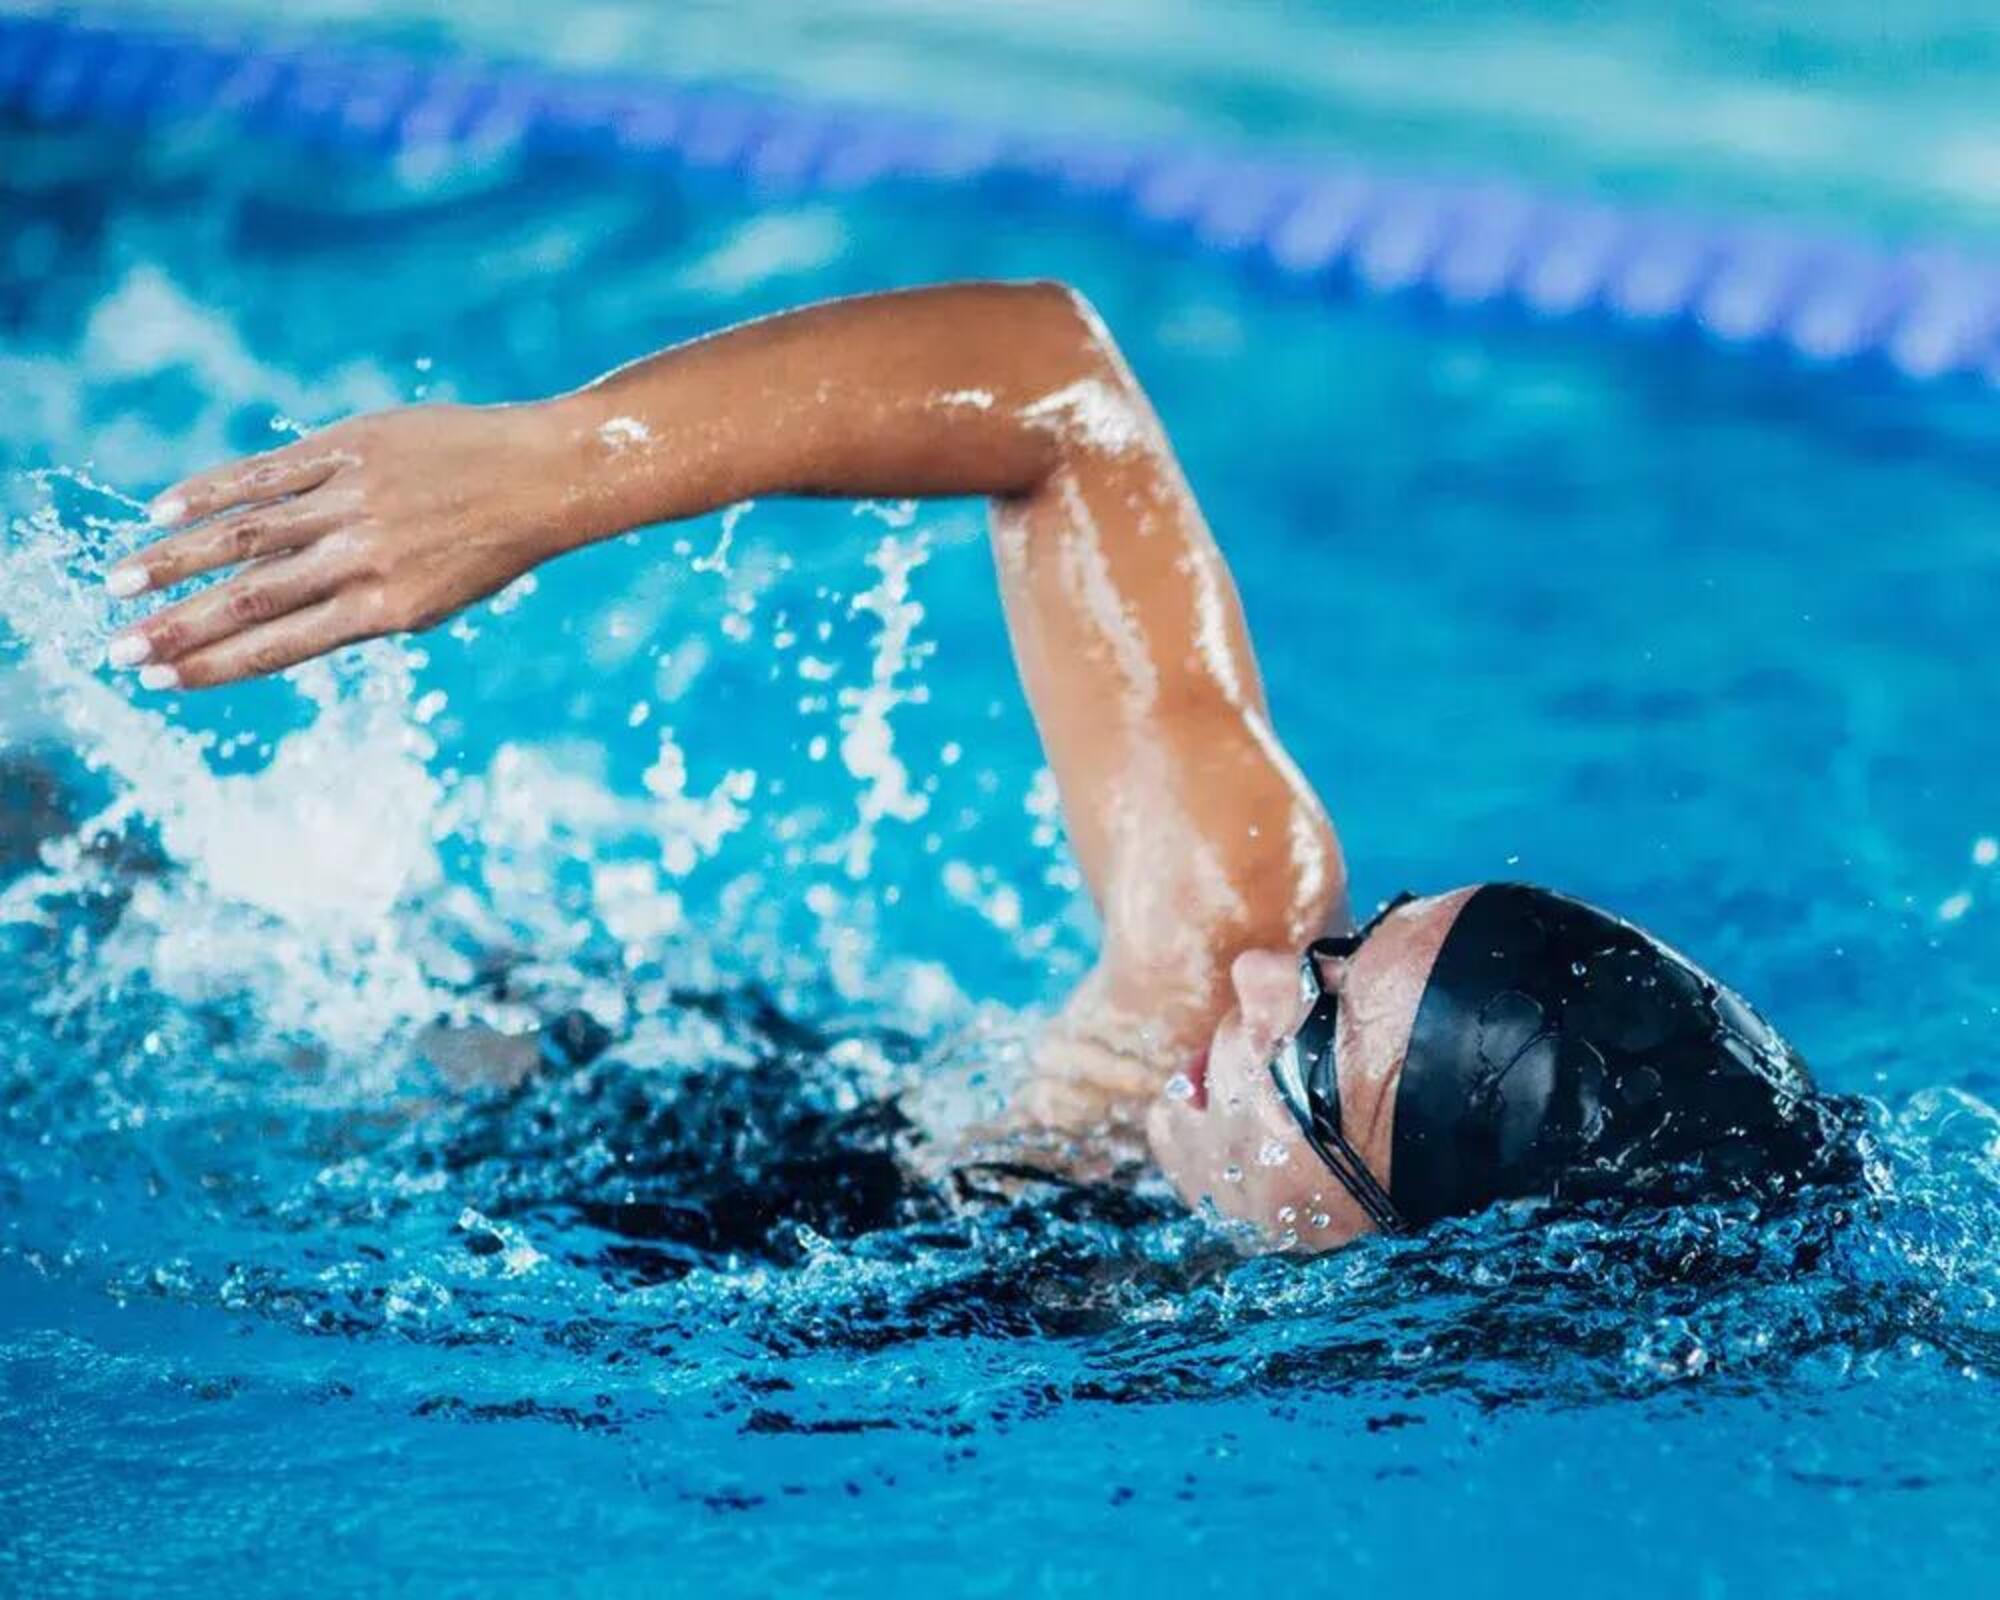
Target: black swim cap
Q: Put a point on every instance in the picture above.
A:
(1559, 1051)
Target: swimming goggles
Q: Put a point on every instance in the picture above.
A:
(1308, 1079)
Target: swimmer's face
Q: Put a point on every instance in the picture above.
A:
(1235, 1144)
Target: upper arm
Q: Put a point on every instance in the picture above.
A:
(1195, 831)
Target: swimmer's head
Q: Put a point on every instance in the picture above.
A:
(1490, 1044)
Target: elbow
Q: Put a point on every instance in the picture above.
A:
(1076, 388)
(1064, 394)
(1069, 311)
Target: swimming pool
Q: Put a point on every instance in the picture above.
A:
(1702, 636)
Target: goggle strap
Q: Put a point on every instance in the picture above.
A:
(1323, 1133)
(1352, 1173)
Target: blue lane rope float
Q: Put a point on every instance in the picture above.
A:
(1929, 312)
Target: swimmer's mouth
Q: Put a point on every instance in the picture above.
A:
(1198, 1076)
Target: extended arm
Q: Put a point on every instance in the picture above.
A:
(404, 516)
(1195, 833)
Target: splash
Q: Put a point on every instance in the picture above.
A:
(867, 738)
(284, 880)
(337, 885)
(693, 829)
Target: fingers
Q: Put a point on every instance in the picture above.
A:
(240, 536)
(291, 470)
(258, 652)
(260, 595)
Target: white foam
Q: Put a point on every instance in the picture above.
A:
(692, 829)
(621, 433)
(1093, 413)
(867, 739)
(310, 896)
(283, 879)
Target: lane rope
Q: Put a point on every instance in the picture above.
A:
(1929, 312)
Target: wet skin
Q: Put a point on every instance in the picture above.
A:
(1234, 1144)
(1210, 859)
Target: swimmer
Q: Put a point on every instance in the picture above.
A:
(1317, 1082)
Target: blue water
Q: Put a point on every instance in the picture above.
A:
(280, 1306)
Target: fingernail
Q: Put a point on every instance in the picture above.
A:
(128, 650)
(125, 581)
(167, 510)
(159, 678)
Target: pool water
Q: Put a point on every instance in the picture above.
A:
(281, 1303)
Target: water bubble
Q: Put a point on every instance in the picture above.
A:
(1232, 1173)
(1273, 1153)
(1179, 1087)
(717, 560)
(511, 597)
(1986, 852)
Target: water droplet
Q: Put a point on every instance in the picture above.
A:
(1179, 1087)
(1232, 1173)
(1272, 1153)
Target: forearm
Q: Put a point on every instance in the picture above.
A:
(390, 523)
(928, 392)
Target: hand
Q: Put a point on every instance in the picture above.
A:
(383, 524)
